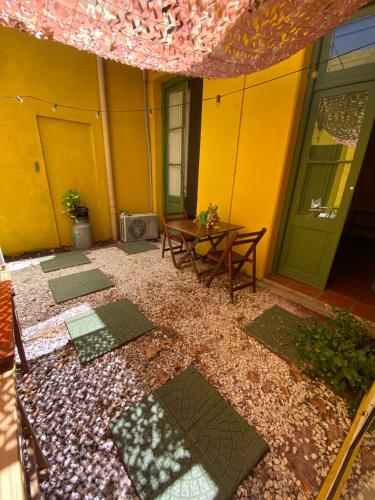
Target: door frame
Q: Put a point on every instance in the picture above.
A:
(343, 78)
(165, 88)
(334, 227)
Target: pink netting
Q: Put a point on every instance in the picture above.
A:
(209, 38)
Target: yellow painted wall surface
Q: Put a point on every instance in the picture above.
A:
(55, 72)
(128, 139)
(265, 139)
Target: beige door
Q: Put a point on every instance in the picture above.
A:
(70, 164)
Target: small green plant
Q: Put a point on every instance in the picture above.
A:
(70, 201)
(341, 352)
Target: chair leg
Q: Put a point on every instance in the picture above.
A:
(230, 273)
(172, 252)
(231, 285)
(254, 270)
(163, 246)
(214, 272)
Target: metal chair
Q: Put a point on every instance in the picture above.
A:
(171, 236)
(232, 262)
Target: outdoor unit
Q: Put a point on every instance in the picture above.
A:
(135, 227)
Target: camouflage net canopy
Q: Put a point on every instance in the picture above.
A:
(203, 38)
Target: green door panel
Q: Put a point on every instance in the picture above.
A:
(336, 138)
(305, 252)
(174, 145)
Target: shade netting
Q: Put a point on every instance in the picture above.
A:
(205, 38)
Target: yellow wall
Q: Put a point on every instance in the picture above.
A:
(128, 139)
(58, 73)
(266, 138)
(55, 72)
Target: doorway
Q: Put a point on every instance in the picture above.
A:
(70, 164)
(335, 138)
(182, 111)
(353, 269)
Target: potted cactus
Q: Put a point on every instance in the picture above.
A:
(81, 227)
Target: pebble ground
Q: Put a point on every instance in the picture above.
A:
(70, 405)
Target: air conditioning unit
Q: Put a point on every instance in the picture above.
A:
(135, 227)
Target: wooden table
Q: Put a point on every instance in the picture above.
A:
(200, 234)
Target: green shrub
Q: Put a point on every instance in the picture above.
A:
(340, 351)
(70, 203)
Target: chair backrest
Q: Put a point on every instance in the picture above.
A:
(253, 239)
(173, 216)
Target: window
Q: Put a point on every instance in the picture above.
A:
(353, 44)
(334, 141)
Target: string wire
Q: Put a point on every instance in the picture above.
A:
(205, 99)
(237, 149)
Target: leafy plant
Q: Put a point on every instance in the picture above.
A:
(340, 351)
(70, 201)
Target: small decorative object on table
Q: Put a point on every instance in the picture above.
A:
(208, 218)
(202, 217)
(212, 216)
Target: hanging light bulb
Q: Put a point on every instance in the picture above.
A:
(54, 107)
(97, 113)
(314, 72)
(19, 98)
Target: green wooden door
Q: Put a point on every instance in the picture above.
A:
(336, 137)
(174, 146)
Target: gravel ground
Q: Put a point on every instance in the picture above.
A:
(70, 406)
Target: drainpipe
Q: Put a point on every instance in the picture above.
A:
(107, 147)
(148, 141)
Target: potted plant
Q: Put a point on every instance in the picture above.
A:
(81, 228)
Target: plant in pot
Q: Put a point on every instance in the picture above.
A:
(81, 228)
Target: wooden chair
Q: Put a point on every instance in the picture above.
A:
(233, 262)
(173, 237)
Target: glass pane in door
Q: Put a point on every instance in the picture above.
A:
(174, 180)
(175, 102)
(333, 145)
(175, 146)
(351, 44)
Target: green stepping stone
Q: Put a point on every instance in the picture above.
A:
(63, 260)
(137, 246)
(78, 284)
(272, 328)
(184, 441)
(105, 328)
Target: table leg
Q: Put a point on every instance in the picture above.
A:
(216, 241)
(190, 252)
